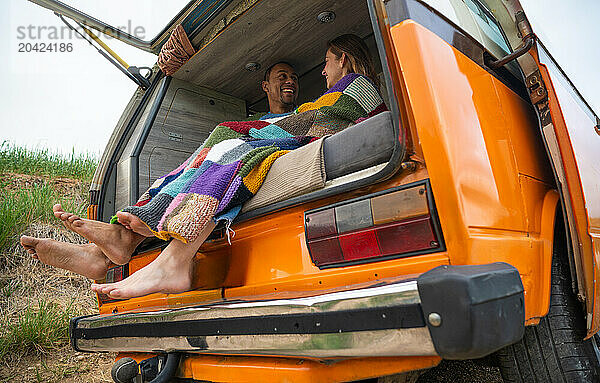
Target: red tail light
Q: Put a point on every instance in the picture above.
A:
(381, 226)
(403, 237)
(362, 244)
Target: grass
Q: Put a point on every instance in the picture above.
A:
(16, 159)
(37, 300)
(31, 200)
(37, 330)
(8, 287)
(57, 373)
(19, 208)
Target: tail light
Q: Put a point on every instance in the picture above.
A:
(390, 224)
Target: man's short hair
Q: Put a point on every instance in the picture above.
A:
(268, 71)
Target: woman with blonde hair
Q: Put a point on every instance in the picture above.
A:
(348, 54)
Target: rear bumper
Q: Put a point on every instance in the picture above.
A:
(386, 320)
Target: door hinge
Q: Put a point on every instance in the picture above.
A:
(539, 96)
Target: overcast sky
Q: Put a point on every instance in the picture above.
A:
(72, 100)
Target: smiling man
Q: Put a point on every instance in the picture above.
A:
(281, 86)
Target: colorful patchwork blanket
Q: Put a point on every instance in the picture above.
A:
(230, 166)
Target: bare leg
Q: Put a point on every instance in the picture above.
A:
(170, 272)
(87, 260)
(115, 241)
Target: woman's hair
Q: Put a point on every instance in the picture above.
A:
(359, 59)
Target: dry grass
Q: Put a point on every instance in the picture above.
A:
(36, 300)
(26, 285)
(24, 277)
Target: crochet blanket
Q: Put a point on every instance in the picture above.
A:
(230, 166)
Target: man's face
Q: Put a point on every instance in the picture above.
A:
(282, 87)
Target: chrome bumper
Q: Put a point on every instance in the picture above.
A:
(376, 321)
(476, 310)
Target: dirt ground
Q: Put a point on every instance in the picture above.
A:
(63, 365)
(32, 282)
(25, 281)
(65, 186)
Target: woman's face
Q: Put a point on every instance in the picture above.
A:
(334, 68)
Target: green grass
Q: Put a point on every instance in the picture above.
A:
(19, 208)
(8, 287)
(16, 159)
(28, 190)
(37, 330)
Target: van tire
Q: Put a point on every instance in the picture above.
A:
(554, 350)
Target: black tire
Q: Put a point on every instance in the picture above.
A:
(554, 350)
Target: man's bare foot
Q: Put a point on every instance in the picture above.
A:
(132, 222)
(169, 273)
(66, 218)
(115, 241)
(87, 260)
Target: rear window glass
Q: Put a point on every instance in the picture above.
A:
(142, 19)
(488, 25)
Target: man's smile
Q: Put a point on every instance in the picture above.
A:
(288, 90)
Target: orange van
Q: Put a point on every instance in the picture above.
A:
(460, 224)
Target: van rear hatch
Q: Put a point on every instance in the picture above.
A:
(269, 248)
(146, 29)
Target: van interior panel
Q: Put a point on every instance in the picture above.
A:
(278, 30)
(123, 167)
(186, 117)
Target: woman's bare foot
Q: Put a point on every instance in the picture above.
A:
(170, 272)
(132, 222)
(87, 260)
(164, 275)
(115, 241)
